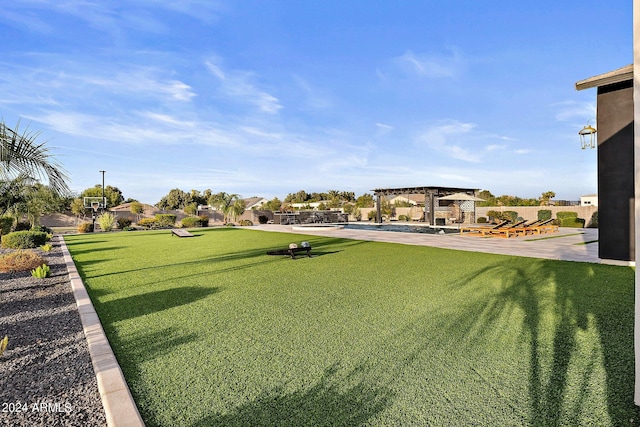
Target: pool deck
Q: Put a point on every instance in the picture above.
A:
(569, 244)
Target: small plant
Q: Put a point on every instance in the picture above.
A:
(85, 227)
(19, 261)
(3, 344)
(245, 223)
(482, 220)
(41, 271)
(404, 218)
(46, 248)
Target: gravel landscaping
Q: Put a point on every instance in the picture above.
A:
(46, 374)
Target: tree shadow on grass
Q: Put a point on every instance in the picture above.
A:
(563, 302)
(333, 401)
(150, 302)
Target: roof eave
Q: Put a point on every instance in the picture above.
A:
(616, 76)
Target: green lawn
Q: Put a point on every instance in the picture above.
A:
(212, 331)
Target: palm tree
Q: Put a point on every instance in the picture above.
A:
(224, 203)
(22, 155)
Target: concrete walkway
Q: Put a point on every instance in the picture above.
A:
(569, 244)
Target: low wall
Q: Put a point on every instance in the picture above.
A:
(530, 213)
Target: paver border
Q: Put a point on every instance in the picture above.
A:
(119, 407)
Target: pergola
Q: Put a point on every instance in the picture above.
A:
(430, 195)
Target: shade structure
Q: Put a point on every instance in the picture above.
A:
(462, 197)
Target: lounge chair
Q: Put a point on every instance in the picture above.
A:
(483, 229)
(506, 231)
(542, 227)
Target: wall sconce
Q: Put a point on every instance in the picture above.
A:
(588, 136)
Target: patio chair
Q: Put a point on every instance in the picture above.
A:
(482, 229)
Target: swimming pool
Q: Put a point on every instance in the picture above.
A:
(401, 228)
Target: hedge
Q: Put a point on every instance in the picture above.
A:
(24, 239)
(570, 219)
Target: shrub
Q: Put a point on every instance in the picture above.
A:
(372, 215)
(21, 226)
(42, 228)
(481, 220)
(494, 215)
(24, 239)
(148, 223)
(404, 218)
(593, 223)
(19, 261)
(3, 344)
(570, 219)
(245, 223)
(41, 272)
(5, 224)
(262, 219)
(165, 220)
(204, 220)
(46, 248)
(106, 221)
(123, 222)
(190, 221)
(510, 216)
(544, 214)
(85, 227)
(502, 216)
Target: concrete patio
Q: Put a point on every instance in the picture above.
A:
(569, 244)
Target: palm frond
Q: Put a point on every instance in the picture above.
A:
(21, 154)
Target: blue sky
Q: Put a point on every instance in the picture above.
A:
(265, 98)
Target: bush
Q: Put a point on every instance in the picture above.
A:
(262, 219)
(372, 215)
(24, 239)
(21, 226)
(502, 216)
(5, 224)
(511, 216)
(404, 218)
(42, 228)
(148, 223)
(481, 220)
(570, 219)
(85, 227)
(19, 261)
(165, 220)
(123, 222)
(190, 221)
(204, 220)
(46, 248)
(544, 214)
(106, 221)
(245, 223)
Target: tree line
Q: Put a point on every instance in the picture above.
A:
(24, 162)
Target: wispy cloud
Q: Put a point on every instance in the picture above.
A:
(427, 65)
(240, 86)
(573, 110)
(447, 138)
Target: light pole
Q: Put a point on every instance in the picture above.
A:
(103, 203)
